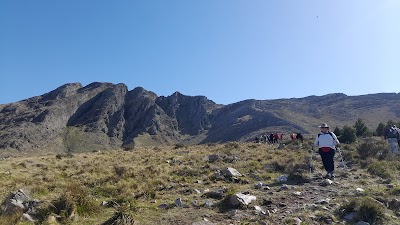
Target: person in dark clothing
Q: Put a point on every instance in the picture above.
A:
(326, 142)
(299, 136)
(271, 138)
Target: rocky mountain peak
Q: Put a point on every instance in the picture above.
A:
(106, 115)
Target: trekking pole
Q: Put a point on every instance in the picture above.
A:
(311, 162)
(341, 157)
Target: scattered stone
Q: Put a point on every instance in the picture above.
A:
(311, 206)
(360, 191)
(178, 202)
(326, 183)
(231, 172)
(394, 204)
(27, 217)
(259, 210)
(259, 185)
(323, 201)
(390, 186)
(241, 199)
(197, 191)
(109, 204)
(164, 206)
(284, 187)
(296, 193)
(208, 203)
(260, 222)
(282, 178)
(214, 194)
(350, 216)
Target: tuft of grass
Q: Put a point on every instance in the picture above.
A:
(366, 209)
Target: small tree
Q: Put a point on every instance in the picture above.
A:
(348, 135)
(380, 129)
(337, 131)
(361, 129)
(390, 122)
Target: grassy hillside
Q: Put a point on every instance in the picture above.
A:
(139, 181)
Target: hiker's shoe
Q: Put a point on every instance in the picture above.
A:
(327, 176)
(332, 175)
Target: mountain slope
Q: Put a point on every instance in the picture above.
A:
(105, 115)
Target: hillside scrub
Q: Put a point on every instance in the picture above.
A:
(143, 185)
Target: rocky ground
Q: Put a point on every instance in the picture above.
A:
(230, 183)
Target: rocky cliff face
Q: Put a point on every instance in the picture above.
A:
(105, 115)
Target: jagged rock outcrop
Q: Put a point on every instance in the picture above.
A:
(105, 115)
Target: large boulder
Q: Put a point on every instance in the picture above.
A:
(240, 199)
(18, 202)
(231, 172)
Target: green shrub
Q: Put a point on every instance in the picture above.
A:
(373, 148)
(348, 135)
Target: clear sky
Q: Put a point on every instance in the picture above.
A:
(227, 50)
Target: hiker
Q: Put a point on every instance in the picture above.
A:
(281, 137)
(392, 135)
(276, 138)
(300, 137)
(293, 137)
(326, 142)
(271, 138)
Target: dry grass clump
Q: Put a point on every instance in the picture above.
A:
(120, 218)
(366, 209)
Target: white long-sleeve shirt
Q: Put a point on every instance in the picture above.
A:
(326, 140)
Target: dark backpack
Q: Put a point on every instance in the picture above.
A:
(392, 133)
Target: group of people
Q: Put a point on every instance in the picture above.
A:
(276, 137)
(326, 141)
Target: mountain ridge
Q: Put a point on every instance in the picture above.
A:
(100, 115)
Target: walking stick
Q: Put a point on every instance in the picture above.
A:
(311, 162)
(341, 157)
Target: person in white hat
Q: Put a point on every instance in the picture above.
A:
(326, 142)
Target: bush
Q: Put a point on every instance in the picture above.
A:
(373, 148)
(348, 135)
(360, 128)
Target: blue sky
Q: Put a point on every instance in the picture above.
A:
(227, 50)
